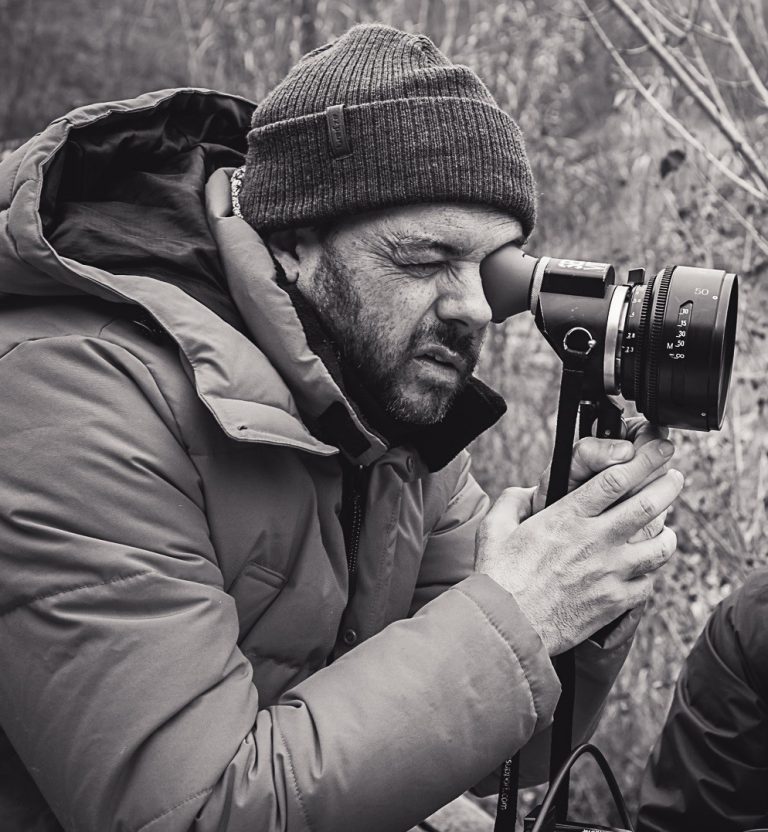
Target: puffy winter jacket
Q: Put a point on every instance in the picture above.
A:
(179, 649)
(709, 770)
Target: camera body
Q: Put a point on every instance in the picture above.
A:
(665, 342)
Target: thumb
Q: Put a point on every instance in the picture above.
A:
(590, 456)
(515, 504)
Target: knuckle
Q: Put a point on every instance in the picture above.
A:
(647, 588)
(650, 461)
(643, 590)
(617, 594)
(646, 507)
(639, 591)
(581, 448)
(611, 588)
(645, 564)
(613, 482)
(558, 526)
(647, 532)
(654, 528)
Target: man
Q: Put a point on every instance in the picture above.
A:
(238, 525)
(710, 765)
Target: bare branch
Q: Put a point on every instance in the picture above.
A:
(757, 23)
(711, 82)
(688, 137)
(697, 74)
(739, 50)
(758, 518)
(662, 19)
(690, 23)
(754, 235)
(738, 141)
(709, 34)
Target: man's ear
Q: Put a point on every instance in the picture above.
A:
(295, 249)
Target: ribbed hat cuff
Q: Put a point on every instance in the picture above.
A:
(403, 151)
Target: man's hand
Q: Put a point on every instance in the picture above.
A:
(580, 563)
(592, 455)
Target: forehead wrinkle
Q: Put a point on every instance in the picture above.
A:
(458, 231)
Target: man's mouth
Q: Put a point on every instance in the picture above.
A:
(442, 356)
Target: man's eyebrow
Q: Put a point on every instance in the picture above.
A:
(410, 240)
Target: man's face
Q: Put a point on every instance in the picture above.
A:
(399, 289)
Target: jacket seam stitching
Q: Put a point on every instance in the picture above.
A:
(457, 491)
(173, 808)
(391, 527)
(253, 652)
(253, 561)
(47, 595)
(507, 643)
(292, 771)
(145, 365)
(180, 437)
(12, 188)
(454, 495)
(100, 333)
(99, 337)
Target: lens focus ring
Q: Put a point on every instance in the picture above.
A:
(656, 344)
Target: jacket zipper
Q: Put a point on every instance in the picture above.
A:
(357, 496)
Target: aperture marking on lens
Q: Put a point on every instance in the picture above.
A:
(677, 346)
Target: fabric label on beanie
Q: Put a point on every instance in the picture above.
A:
(337, 132)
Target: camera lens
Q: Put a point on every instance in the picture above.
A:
(676, 346)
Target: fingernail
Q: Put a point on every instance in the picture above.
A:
(620, 451)
(679, 475)
(666, 449)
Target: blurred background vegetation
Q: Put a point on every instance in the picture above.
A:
(645, 121)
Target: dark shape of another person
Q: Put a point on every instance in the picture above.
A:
(709, 769)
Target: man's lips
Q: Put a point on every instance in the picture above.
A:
(442, 355)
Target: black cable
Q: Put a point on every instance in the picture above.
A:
(557, 784)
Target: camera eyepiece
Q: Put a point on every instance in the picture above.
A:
(666, 343)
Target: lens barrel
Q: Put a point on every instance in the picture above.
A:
(676, 350)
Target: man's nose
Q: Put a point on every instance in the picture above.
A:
(463, 301)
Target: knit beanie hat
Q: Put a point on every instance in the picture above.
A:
(380, 118)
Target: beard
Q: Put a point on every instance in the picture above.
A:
(365, 343)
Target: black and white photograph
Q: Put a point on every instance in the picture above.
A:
(384, 416)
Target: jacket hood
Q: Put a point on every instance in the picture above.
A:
(130, 202)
